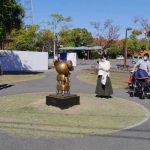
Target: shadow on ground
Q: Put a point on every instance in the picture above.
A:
(5, 86)
(22, 72)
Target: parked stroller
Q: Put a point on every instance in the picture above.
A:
(139, 87)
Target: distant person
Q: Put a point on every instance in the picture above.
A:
(103, 87)
(86, 55)
(143, 67)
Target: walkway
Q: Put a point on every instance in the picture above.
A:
(137, 138)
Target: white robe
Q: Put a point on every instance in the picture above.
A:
(103, 69)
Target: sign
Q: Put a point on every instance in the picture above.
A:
(72, 57)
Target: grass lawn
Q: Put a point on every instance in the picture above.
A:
(27, 114)
(13, 78)
(118, 81)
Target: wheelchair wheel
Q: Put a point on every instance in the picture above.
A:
(131, 94)
(142, 96)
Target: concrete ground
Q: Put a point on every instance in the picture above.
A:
(136, 138)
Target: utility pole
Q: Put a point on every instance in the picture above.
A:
(54, 30)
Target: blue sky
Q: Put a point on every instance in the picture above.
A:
(83, 12)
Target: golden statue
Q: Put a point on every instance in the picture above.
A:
(63, 99)
(63, 82)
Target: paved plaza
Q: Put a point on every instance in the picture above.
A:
(136, 138)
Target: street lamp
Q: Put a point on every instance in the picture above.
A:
(54, 31)
(54, 45)
(125, 50)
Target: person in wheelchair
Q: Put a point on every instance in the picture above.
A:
(143, 68)
(140, 79)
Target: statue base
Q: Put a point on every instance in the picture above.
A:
(63, 102)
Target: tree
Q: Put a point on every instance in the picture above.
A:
(115, 50)
(46, 38)
(135, 45)
(75, 37)
(106, 34)
(32, 39)
(27, 39)
(11, 15)
(56, 21)
(145, 24)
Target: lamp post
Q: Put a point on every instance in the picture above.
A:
(125, 50)
(54, 31)
(54, 45)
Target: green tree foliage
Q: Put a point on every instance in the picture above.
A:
(116, 50)
(57, 20)
(143, 43)
(27, 39)
(46, 38)
(32, 39)
(135, 45)
(75, 37)
(11, 15)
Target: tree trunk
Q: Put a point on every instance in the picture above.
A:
(148, 44)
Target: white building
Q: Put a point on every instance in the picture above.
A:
(23, 60)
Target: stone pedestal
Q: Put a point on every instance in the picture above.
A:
(62, 102)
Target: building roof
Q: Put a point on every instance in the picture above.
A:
(82, 48)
